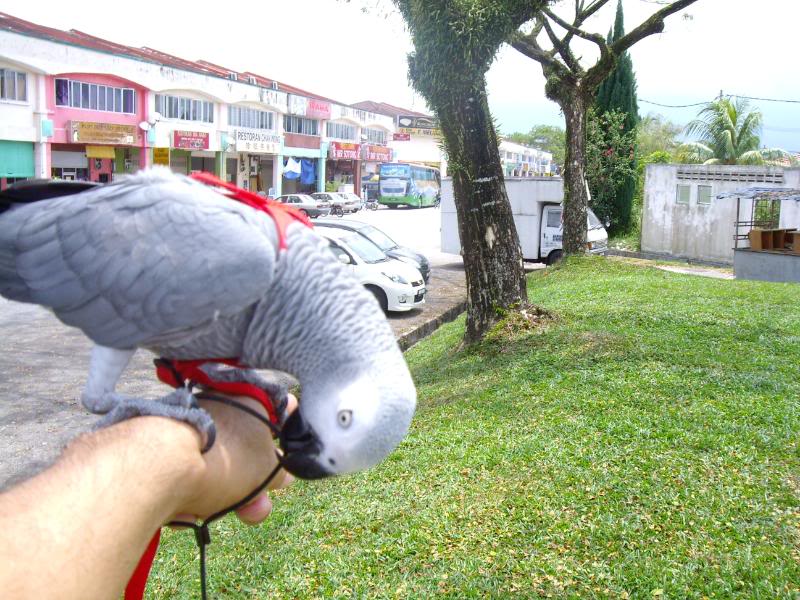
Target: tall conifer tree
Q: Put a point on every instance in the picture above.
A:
(618, 92)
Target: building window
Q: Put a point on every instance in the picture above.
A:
(292, 124)
(341, 131)
(250, 117)
(683, 194)
(375, 136)
(92, 96)
(13, 85)
(185, 109)
(704, 194)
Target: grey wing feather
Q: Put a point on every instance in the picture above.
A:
(138, 259)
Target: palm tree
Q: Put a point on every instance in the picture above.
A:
(729, 134)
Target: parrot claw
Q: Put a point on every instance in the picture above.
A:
(278, 392)
(180, 405)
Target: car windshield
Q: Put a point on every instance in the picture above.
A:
(377, 237)
(594, 222)
(366, 250)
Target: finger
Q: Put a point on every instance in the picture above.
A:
(256, 511)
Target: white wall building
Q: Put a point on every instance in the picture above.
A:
(523, 161)
(682, 216)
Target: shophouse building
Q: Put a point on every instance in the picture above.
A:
(22, 105)
(519, 160)
(416, 137)
(77, 106)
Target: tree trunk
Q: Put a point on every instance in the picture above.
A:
(576, 196)
(490, 244)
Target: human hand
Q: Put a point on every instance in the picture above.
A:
(242, 456)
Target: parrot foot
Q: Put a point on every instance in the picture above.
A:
(180, 405)
(278, 392)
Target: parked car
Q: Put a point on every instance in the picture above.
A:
(351, 197)
(348, 206)
(306, 204)
(385, 243)
(396, 285)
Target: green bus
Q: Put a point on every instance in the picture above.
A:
(410, 185)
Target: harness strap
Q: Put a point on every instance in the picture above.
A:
(180, 373)
(282, 214)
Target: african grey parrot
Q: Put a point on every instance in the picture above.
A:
(162, 262)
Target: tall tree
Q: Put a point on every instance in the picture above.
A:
(618, 93)
(454, 45)
(573, 88)
(729, 134)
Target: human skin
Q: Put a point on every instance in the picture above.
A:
(78, 529)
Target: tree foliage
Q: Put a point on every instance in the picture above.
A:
(609, 164)
(573, 87)
(549, 138)
(657, 134)
(617, 93)
(729, 133)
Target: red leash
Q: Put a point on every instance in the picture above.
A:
(178, 373)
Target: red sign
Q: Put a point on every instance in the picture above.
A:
(190, 140)
(401, 137)
(317, 109)
(377, 154)
(343, 150)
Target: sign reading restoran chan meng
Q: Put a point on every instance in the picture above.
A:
(253, 140)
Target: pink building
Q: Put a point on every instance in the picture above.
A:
(96, 129)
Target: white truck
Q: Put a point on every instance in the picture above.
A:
(536, 205)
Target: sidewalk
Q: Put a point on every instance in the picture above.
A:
(44, 364)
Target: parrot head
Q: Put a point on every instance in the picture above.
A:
(361, 420)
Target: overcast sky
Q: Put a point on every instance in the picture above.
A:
(333, 48)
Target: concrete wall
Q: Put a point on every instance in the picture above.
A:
(525, 195)
(790, 209)
(17, 119)
(698, 231)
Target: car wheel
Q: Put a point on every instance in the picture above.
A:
(554, 257)
(380, 296)
(304, 212)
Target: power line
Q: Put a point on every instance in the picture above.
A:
(718, 97)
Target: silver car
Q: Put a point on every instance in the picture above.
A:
(310, 206)
(348, 206)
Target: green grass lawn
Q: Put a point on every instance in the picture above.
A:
(642, 444)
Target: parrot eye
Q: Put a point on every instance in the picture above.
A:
(345, 417)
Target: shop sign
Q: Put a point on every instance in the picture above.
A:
(401, 137)
(190, 140)
(377, 154)
(317, 109)
(417, 122)
(86, 132)
(253, 140)
(419, 131)
(308, 107)
(344, 151)
(161, 156)
(272, 97)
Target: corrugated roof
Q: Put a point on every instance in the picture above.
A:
(779, 193)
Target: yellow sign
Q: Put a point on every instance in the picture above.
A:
(86, 132)
(161, 156)
(100, 152)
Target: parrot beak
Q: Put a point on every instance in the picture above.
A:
(301, 448)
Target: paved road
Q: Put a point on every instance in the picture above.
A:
(43, 364)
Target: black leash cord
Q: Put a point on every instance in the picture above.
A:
(201, 532)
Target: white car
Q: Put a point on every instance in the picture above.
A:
(398, 286)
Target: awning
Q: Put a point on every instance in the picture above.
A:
(777, 193)
(100, 152)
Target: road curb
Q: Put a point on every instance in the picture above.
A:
(410, 338)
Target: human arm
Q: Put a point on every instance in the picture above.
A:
(78, 529)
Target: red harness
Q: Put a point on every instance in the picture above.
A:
(178, 372)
